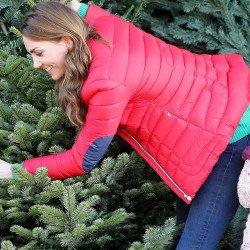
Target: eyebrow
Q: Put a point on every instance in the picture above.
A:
(33, 49)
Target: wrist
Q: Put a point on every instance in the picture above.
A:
(16, 165)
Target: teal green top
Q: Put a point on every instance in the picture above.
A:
(82, 11)
(243, 128)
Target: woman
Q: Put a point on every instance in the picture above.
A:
(178, 109)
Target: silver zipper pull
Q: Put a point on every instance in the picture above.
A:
(189, 198)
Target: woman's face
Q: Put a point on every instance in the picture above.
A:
(48, 55)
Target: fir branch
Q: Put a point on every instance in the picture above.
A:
(24, 177)
(21, 231)
(55, 149)
(138, 10)
(51, 119)
(7, 245)
(15, 215)
(84, 212)
(41, 178)
(12, 64)
(54, 190)
(43, 147)
(30, 246)
(3, 28)
(15, 31)
(54, 219)
(51, 98)
(21, 135)
(69, 202)
(31, 3)
(40, 234)
(159, 238)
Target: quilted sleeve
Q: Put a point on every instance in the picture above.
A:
(94, 12)
(105, 107)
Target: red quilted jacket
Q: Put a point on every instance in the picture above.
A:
(177, 109)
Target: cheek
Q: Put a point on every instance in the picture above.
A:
(58, 58)
(61, 61)
(61, 67)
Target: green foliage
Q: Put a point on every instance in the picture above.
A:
(27, 129)
(7, 245)
(122, 197)
(126, 9)
(84, 212)
(20, 82)
(204, 27)
(12, 14)
(159, 238)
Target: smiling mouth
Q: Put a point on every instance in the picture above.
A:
(48, 69)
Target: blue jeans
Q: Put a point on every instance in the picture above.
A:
(215, 204)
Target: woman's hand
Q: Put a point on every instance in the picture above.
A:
(73, 4)
(5, 170)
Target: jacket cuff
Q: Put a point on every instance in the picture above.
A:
(16, 165)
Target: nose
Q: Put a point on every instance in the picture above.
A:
(36, 63)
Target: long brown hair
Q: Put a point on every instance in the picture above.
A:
(51, 21)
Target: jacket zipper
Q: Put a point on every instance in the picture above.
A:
(186, 196)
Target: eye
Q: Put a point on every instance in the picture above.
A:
(40, 54)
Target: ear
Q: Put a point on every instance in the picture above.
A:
(68, 41)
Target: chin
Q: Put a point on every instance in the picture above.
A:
(56, 77)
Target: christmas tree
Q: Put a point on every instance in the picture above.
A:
(121, 204)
